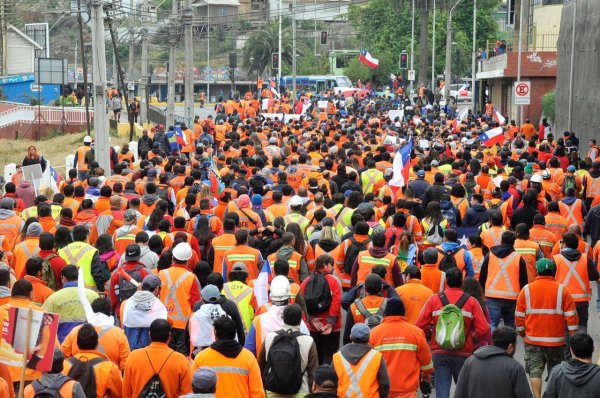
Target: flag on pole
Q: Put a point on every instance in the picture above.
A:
(462, 115)
(492, 137)
(261, 284)
(216, 185)
(181, 138)
(499, 118)
(55, 179)
(367, 59)
(401, 166)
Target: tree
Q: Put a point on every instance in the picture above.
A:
(357, 71)
(261, 44)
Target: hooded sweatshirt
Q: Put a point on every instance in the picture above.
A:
(49, 379)
(149, 199)
(379, 252)
(354, 352)
(507, 380)
(501, 252)
(26, 192)
(476, 215)
(574, 378)
(285, 253)
(451, 246)
(147, 257)
(6, 214)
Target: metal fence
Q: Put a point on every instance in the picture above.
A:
(531, 42)
(49, 114)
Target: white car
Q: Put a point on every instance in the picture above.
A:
(460, 92)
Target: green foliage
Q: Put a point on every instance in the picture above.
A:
(309, 64)
(356, 70)
(548, 104)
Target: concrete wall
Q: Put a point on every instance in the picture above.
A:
(586, 85)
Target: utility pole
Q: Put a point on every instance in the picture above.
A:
(412, 46)
(131, 44)
(102, 147)
(521, 22)
(294, 66)
(473, 56)
(433, 52)
(209, 76)
(279, 55)
(2, 38)
(448, 67)
(189, 64)
(144, 68)
(173, 39)
(572, 69)
(87, 95)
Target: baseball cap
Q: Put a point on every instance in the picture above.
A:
(296, 201)
(544, 264)
(239, 266)
(182, 252)
(421, 173)
(360, 333)
(210, 294)
(133, 253)
(129, 215)
(325, 373)
(571, 169)
(204, 378)
(151, 282)
(152, 173)
(435, 163)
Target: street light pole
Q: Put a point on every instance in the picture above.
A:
(521, 22)
(209, 76)
(171, 71)
(473, 56)
(433, 52)
(102, 147)
(412, 45)
(572, 69)
(189, 64)
(294, 65)
(279, 53)
(448, 67)
(144, 67)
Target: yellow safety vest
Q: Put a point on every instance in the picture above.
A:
(80, 254)
(241, 295)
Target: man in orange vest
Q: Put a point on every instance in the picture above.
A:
(591, 184)
(492, 236)
(413, 293)
(503, 275)
(431, 276)
(244, 254)
(79, 161)
(528, 249)
(404, 348)
(575, 270)
(555, 222)
(27, 249)
(543, 308)
(223, 243)
(376, 255)
(542, 235)
(298, 267)
(179, 293)
(361, 370)
(573, 209)
(55, 381)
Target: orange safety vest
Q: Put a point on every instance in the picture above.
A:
(294, 262)
(25, 250)
(592, 187)
(528, 251)
(176, 284)
(366, 262)
(545, 238)
(492, 236)
(220, 245)
(572, 213)
(557, 224)
(81, 151)
(574, 275)
(503, 277)
(360, 379)
(243, 254)
(10, 228)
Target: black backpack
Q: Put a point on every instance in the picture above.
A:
(448, 261)
(41, 391)
(317, 294)
(283, 373)
(153, 387)
(352, 252)
(371, 320)
(83, 372)
(144, 146)
(125, 289)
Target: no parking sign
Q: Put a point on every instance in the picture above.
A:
(522, 91)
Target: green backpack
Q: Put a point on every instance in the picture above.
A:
(48, 273)
(450, 328)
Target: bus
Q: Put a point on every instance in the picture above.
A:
(318, 83)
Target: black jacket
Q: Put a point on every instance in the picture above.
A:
(419, 186)
(475, 216)
(592, 225)
(574, 379)
(508, 378)
(523, 215)
(434, 193)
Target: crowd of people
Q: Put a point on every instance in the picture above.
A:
(246, 256)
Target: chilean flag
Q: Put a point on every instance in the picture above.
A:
(492, 137)
(498, 117)
(459, 118)
(216, 185)
(367, 59)
(401, 166)
(181, 138)
(55, 178)
(261, 284)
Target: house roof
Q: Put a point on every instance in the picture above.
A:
(231, 3)
(24, 36)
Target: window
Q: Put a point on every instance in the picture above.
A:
(222, 11)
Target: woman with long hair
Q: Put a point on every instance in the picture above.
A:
(406, 251)
(301, 246)
(328, 244)
(205, 236)
(472, 287)
(62, 237)
(107, 252)
(433, 225)
(202, 270)
(157, 215)
(165, 260)
(33, 157)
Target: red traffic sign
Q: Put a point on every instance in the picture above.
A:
(522, 89)
(522, 93)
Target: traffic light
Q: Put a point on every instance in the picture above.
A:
(275, 61)
(231, 74)
(324, 37)
(403, 60)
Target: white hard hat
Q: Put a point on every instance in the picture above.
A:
(280, 288)
(296, 201)
(87, 139)
(536, 178)
(182, 252)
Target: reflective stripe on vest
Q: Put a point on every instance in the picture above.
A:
(355, 377)
(573, 273)
(375, 261)
(370, 174)
(396, 346)
(178, 315)
(241, 257)
(75, 259)
(503, 263)
(571, 212)
(240, 297)
(340, 220)
(545, 311)
(231, 369)
(593, 187)
(27, 252)
(497, 239)
(101, 333)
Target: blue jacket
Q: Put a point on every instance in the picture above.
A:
(466, 256)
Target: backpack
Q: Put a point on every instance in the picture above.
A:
(41, 391)
(352, 253)
(125, 289)
(450, 328)
(83, 372)
(435, 235)
(317, 294)
(450, 215)
(371, 320)
(283, 372)
(144, 147)
(569, 182)
(153, 387)
(48, 272)
(172, 140)
(448, 261)
(194, 189)
(494, 206)
(207, 216)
